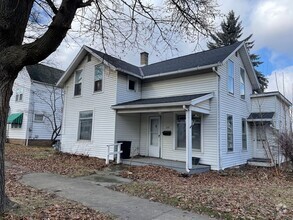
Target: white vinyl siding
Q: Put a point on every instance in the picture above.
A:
(123, 93)
(239, 108)
(231, 76)
(103, 132)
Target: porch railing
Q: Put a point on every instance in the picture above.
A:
(117, 152)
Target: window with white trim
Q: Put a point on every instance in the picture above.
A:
(19, 95)
(78, 83)
(15, 125)
(242, 83)
(99, 74)
(229, 133)
(244, 134)
(39, 117)
(181, 131)
(231, 76)
(85, 125)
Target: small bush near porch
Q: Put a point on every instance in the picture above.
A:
(244, 193)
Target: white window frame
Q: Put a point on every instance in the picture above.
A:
(103, 74)
(242, 83)
(175, 132)
(232, 133)
(81, 71)
(231, 77)
(79, 124)
(244, 134)
(36, 120)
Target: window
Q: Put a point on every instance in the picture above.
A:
(99, 72)
(230, 76)
(244, 134)
(18, 95)
(89, 57)
(242, 83)
(85, 125)
(39, 117)
(230, 133)
(181, 131)
(131, 85)
(15, 125)
(78, 80)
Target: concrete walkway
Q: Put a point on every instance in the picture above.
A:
(96, 196)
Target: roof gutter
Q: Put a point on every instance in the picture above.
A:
(183, 71)
(152, 105)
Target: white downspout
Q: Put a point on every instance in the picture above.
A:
(188, 138)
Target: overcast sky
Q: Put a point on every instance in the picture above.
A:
(270, 22)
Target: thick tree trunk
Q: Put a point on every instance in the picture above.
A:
(5, 94)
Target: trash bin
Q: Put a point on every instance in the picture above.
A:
(195, 160)
(125, 147)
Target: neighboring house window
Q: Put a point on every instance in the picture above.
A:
(85, 125)
(230, 76)
(15, 125)
(242, 83)
(181, 131)
(18, 95)
(78, 80)
(99, 72)
(244, 134)
(39, 117)
(229, 132)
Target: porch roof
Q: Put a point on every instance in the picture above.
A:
(261, 116)
(158, 102)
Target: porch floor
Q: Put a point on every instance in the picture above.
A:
(175, 165)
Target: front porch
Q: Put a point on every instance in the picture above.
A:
(171, 164)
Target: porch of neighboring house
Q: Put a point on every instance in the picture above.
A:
(171, 164)
(165, 131)
(265, 151)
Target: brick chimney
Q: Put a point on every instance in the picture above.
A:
(144, 58)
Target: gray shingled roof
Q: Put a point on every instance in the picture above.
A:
(262, 115)
(44, 74)
(162, 100)
(194, 60)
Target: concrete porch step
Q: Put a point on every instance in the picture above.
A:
(175, 165)
(260, 162)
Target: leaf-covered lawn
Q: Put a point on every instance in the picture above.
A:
(36, 204)
(245, 193)
(44, 159)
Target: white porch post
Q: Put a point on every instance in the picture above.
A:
(188, 120)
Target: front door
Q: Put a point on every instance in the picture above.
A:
(154, 136)
(259, 150)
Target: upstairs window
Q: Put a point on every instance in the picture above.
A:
(242, 83)
(230, 77)
(131, 85)
(18, 95)
(78, 82)
(229, 133)
(99, 73)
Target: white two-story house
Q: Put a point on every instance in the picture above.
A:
(191, 106)
(36, 103)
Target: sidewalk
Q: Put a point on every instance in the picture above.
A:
(94, 195)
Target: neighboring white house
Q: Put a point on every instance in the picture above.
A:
(35, 95)
(109, 100)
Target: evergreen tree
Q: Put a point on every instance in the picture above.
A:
(231, 31)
